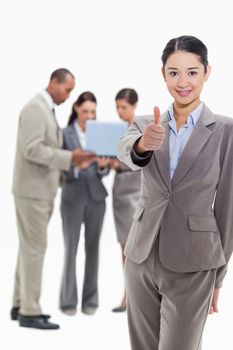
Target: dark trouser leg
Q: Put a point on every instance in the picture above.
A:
(94, 215)
(72, 217)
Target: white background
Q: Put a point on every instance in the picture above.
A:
(108, 45)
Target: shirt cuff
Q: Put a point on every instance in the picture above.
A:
(76, 172)
(141, 160)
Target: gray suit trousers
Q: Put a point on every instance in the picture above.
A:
(75, 213)
(166, 310)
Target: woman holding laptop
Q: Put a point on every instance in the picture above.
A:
(126, 186)
(82, 202)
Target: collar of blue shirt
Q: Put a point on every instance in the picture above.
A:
(192, 118)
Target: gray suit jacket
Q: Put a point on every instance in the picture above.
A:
(194, 211)
(38, 158)
(126, 191)
(88, 179)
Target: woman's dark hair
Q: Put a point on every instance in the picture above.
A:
(129, 95)
(85, 96)
(189, 44)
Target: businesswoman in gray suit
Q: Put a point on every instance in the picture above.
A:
(181, 238)
(127, 183)
(82, 202)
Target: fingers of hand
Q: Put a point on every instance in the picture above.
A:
(211, 311)
(103, 161)
(213, 307)
(153, 137)
(154, 128)
(151, 145)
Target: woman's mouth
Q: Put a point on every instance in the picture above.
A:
(183, 93)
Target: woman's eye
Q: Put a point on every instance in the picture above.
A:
(192, 73)
(173, 74)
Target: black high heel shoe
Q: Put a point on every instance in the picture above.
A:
(121, 308)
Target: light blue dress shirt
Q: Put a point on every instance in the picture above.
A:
(178, 139)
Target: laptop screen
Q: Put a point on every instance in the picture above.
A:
(103, 137)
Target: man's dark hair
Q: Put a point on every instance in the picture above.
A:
(60, 74)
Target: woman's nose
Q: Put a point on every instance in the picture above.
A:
(182, 82)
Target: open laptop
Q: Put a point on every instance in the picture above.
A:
(103, 137)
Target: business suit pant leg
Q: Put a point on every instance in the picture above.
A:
(72, 218)
(166, 310)
(32, 220)
(94, 215)
(16, 295)
(143, 306)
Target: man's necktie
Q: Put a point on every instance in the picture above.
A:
(58, 128)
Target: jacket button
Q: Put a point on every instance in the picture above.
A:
(167, 195)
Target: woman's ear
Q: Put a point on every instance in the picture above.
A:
(76, 109)
(163, 73)
(208, 71)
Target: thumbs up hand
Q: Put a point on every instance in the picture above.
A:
(156, 115)
(153, 135)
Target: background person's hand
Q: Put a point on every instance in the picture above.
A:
(103, 161)
(114, 164)
(153, 135)
(82, 159)
(214, 304)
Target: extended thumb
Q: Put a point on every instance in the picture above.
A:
(156, 115)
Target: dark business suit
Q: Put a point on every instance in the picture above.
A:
(82, 202)
(181, 238)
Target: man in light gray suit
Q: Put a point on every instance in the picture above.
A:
(38, 162)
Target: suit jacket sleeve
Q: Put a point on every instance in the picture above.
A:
(33, 141)
(223, 207)
(126, 152)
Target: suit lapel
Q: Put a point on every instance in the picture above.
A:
(73, 137)
(162, 156)
(53, 118)
(195, 144)
(59, 131)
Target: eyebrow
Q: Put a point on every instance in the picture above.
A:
(191, 68)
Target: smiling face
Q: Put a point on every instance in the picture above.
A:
(185, 75)
(86, 111)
